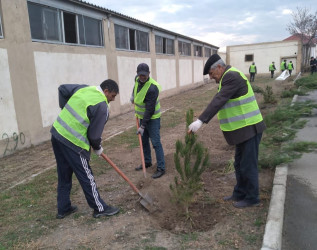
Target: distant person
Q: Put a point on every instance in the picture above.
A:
(77, 129)
(290, 67)
(272, 69)
(283, 65)
(252, 71)
(241, 123)
(145, 97)
(313, 65)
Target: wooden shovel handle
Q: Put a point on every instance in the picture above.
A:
(141, 148)
(120, 172)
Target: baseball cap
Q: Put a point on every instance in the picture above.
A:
(143, 69)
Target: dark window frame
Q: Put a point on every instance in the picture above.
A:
(65, 31)
(165, 47)
(198, 50)
(183, 48)
(1, 28)
(249, 57)
(131, 39)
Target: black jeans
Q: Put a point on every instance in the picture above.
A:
(252, 75)
(69, 162)
(246, 169)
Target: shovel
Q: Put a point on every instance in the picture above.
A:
(141, 148)
(146, 201)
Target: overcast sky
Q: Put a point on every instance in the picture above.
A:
(218, 22)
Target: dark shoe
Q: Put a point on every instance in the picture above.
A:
(244, 203)
(147, 165)
(108, 212)
(158, 173)
(72, 209)
(231, 198)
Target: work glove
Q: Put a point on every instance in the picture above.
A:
(140, 130)
(194, 126)
(98, 151)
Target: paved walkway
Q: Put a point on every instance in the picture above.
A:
(292, 219)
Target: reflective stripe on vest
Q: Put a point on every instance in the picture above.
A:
(239, 112)
(139, 106)
(72, 122)
(252, 69)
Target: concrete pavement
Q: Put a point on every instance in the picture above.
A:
(292, 218)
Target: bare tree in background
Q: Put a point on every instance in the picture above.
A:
(304, 25)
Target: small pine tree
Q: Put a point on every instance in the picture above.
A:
(191, 160)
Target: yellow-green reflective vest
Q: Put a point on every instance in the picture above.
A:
(239, 112)
(271, 67)
(252, 68)
(72, 122)
(283, 66)
(290, 66)
(139, 105)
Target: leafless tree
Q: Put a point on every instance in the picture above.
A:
(304, 25)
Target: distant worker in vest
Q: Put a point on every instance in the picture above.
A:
(145, 97)
(252, 71)
(290, 67)
(241, 123)
(77, 129)
(272, 69)
(283, 65)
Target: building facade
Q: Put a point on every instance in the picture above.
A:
(45, 43)
(263, 54)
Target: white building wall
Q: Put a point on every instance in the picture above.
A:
(166, 73)
(185, 72)
(198, 70)
(127, 71)
(264, 55)
(8, 121)
(53, 69)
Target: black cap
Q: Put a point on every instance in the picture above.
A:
(214, 58)
(143, 69)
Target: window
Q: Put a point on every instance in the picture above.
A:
(164, 45)
(207, 52)
(198, 51)
(184, 48)
(131, 39)
(248, 58)
(54, 25)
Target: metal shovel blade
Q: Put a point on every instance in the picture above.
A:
(146, 201)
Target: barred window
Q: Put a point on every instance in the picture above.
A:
(55, 25)
(164, 45)
(207, 52)
(184, 48)
(198, 50)
(248, 58)
(131, 39)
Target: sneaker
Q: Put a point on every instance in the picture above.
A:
(245, 203)
(147, 165)
(158, 173)
(231, 198)
(72, 209)
(108, 212)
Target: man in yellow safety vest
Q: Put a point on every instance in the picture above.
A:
(242, 125)
(145, 97)
(77, 129)
(252, 71)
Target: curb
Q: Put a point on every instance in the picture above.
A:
(272, 239)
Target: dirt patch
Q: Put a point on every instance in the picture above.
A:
(215, 224)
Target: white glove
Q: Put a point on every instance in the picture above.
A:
(140, 131)
(194, 126)
(98, 151)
